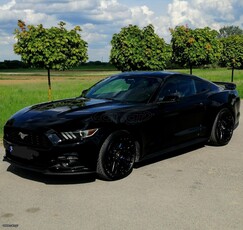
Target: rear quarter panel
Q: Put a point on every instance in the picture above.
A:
(224, 99)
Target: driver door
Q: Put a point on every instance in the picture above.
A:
(180, 112)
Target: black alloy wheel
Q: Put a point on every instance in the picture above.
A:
(223, 128)
(117, 156)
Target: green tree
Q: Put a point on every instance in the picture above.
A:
(138, 49)
(195, 47)
(227, 31)
(232, 55)
(50, 48)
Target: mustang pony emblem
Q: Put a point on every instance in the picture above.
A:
(22, 135)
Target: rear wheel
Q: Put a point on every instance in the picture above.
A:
(117, 156)
(223, 128)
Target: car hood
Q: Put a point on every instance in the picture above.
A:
(63, 111)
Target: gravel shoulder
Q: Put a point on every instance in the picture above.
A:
(198, 189)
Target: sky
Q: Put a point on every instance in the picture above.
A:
(100, 19)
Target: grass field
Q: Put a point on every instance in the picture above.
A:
(22, 88)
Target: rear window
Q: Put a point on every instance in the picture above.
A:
(204, 86)
(201, 86)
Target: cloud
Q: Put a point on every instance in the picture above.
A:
(8, 5)
(100, 19)
(141, 16)
(201, 13)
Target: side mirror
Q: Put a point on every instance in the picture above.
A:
(84, 92)
(171, 98)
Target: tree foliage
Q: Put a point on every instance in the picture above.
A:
(227, 31)
(50, 48)
(195, 47)
(232, 55)
(138, 49)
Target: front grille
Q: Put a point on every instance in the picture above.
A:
(26, 137)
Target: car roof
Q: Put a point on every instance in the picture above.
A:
(159, 74)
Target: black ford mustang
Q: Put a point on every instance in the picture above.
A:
(119, 121)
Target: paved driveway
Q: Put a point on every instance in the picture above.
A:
(199, 189)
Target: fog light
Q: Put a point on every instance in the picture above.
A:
(72, 158)
(68, 159)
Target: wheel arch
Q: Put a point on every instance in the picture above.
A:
(104, 169)
(219, 101)
(133, 131)
(222, 129)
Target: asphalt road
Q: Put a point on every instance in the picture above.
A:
(200, 188)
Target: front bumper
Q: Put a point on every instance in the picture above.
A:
(55, 170)
(65, 160)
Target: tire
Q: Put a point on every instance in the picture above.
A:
(223, 128)
(117, 156)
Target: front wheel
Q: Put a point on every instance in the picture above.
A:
(223, 128)
(117, 156)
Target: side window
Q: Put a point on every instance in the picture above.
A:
(181, 86)
(186, 87)
(201, 86)
(168, 89)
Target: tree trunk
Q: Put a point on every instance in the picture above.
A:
(190, 69)
(49, 85)
(232, 74)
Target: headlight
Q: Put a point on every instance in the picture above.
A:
(56, 138)
(78, 134)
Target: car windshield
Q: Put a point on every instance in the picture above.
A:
(125, 88)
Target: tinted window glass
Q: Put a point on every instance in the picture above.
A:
(180, 86)
(125, 88)
(202, 86)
